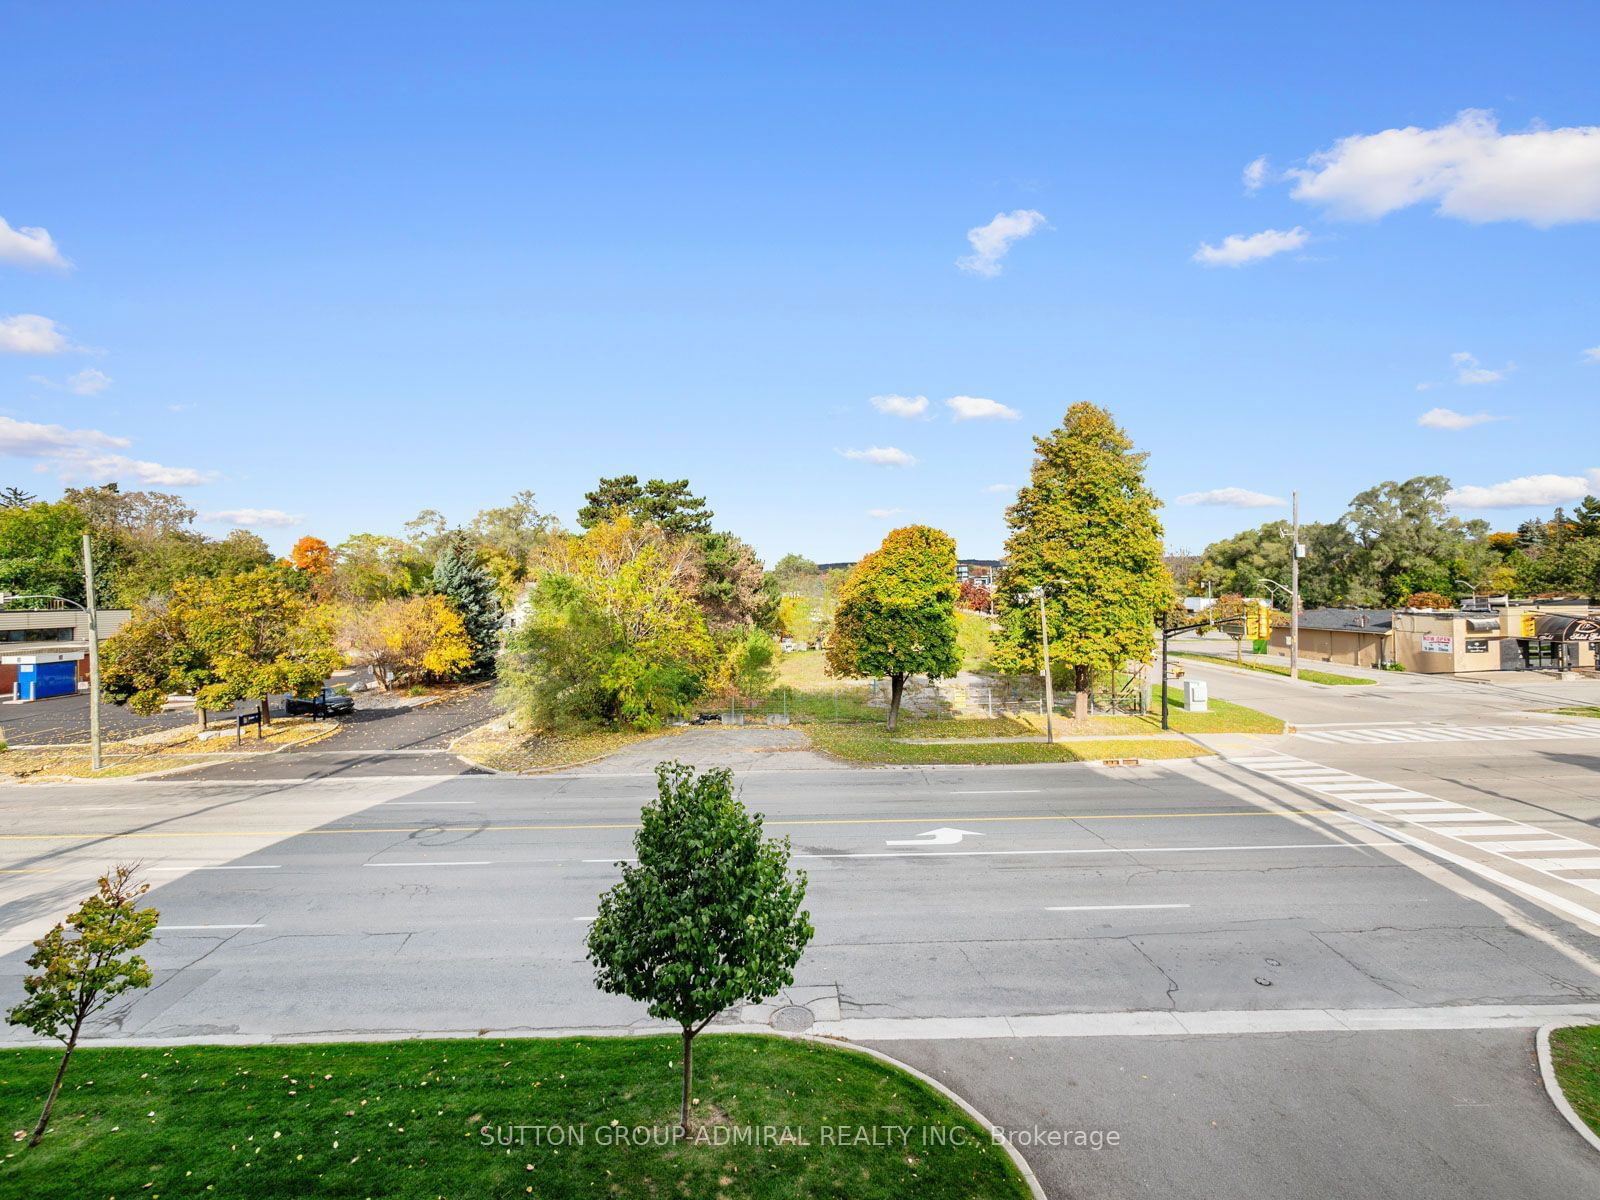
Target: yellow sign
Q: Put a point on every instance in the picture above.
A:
(1257, 622)
(1530, 625)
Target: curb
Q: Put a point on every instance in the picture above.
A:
(1553, 1087)
(1023, 1169)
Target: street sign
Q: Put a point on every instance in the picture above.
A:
(243, 719)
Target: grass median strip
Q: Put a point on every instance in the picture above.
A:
(872, 744)
(1308, 675)
(1575, 1054)
(492, 1118)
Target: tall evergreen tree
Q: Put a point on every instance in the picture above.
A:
(461, 577)
(1084, 529)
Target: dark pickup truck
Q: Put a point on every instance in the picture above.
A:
(329, 704)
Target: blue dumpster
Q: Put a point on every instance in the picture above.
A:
(40, 681)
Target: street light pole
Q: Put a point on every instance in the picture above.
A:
(1049, 691)
(1294, 590)
(94, 656)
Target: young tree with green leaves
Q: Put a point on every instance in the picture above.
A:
(707, 915)
(897, 613)
(460, 577)
(1084, 529)
(84, 964)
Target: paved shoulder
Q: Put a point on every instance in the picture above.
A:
(1456, 1115)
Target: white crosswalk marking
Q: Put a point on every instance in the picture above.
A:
(1513, 841)
(1443, 733)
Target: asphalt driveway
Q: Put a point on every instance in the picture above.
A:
(1414, 1115)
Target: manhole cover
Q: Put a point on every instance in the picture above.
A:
(792, 1018)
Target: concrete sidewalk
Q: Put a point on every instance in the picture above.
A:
(1434, 1115)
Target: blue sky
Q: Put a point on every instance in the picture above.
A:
(341, 263)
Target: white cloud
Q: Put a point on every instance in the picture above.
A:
(1529, 491)
(86, 382)
(883, 456)
(28, 333)
(990, 242)
(1471, 170)
(1239, 248)
(1232, 497)
(883, 514)
(900, 406)
(1592, 354)
(29, 246)
(1469, 370)
(1447, 418)
(87, 455)
(977, 408)
(1255, 174)
(255, 518)
(998, 488)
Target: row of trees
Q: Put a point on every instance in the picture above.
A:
(143, 544)
(1399, 539)
(1083, 533)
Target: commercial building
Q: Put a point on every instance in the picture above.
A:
(1518, 636)
(34, 643)
(1357, 637)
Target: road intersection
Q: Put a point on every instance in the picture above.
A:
(1374, 903)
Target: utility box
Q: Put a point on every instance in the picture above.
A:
(1194, 696)
(41, 676)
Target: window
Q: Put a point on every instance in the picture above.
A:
(38, 635)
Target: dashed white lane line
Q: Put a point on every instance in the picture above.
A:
(1514, 841)
(1107, 907)
(481, 862)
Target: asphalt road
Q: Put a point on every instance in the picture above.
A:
(457, 903)
(1335, 950)
(1432, 1115)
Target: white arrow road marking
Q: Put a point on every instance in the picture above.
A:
(942, 836)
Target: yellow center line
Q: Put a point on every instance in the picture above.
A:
(442, 829)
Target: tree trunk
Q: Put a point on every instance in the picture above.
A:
(266, 711)
(897, 687)
(688, 1078)
(55, 1088)
(200, 717)
(1080, 696)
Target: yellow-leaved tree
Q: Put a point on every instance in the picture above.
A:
(415, 640)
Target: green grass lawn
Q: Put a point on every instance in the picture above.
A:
(872, 744)
(408, 1120)
(1306, 673)
(1581, 711)
(1575, 1054)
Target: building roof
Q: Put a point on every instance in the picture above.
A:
(1353, 620)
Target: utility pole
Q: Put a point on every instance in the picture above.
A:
(1049, 692)
(94, 656)
(1294, 588)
